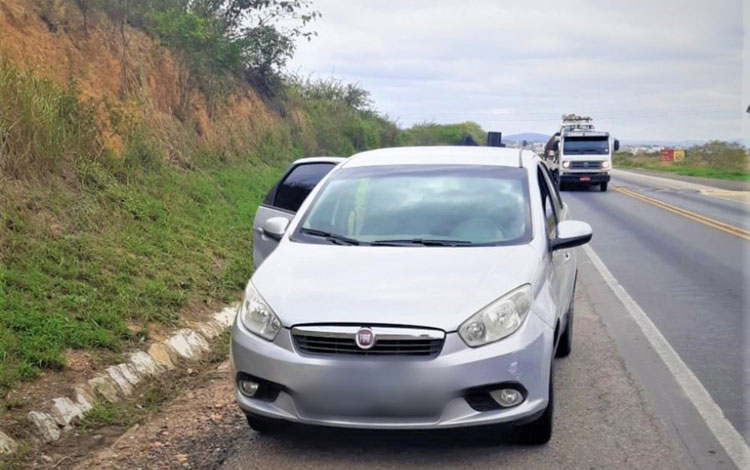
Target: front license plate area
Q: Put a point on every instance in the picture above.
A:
(585, 178)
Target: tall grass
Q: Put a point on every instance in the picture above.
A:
(44, 129)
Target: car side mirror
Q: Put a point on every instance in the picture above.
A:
(617, 145)
(275, 227)
(571, 233)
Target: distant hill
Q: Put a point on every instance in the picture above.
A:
(527, 136)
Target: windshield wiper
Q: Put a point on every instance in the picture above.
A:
(422, 241)
(332, 237)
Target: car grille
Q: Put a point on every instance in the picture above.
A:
(388, 342)
(585, 165)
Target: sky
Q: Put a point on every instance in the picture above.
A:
(643, 69)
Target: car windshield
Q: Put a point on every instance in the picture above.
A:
(428, 205)
(586, 145)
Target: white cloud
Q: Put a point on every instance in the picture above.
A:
(669, 69)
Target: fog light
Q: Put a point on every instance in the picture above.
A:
(248, 387)
(507, 397)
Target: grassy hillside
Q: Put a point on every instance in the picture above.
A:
(119, 218)
(125, 212)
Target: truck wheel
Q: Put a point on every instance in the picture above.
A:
(603, 186)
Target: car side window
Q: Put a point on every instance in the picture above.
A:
(548, 205)
(294, 188)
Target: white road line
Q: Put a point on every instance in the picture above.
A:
(722, 429)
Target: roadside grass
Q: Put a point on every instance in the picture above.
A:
(17, 460)
(127, 413)
(44, 128)
(691, 170)
(715, 159)
(152, 395)
(93, 268)
(95, 248)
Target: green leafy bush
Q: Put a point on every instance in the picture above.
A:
(444, 134)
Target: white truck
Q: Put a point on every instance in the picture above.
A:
(579, 154)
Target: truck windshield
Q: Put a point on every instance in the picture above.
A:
(586, 145)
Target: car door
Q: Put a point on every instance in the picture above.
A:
(557, 258)
(569, 261)
(285, 198)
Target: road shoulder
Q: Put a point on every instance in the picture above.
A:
(688, 433)
(730, 185)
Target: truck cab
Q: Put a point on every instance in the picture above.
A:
(579, 154)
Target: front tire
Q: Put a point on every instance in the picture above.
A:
(265, 425)
(565, 345)
(603, 187)
(539, 431)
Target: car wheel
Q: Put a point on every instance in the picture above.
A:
(539, 431)
(265, 425)
(603, 187)
(566, 339)
(565, 345)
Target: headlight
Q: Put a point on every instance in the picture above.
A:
(606, 165)
(566, 164)
(497, 320)
(257, 316)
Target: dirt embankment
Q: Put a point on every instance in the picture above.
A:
(48, 37)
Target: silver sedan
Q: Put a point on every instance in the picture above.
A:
(409, 288)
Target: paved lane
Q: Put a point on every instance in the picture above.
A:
(705, 200)
(690, 278)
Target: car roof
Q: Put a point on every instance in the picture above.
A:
(454, 155)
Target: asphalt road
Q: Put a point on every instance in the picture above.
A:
(689, 277)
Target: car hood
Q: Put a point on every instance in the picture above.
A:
(436, 287)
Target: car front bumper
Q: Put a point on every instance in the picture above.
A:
(524, 358)
(584, 178)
